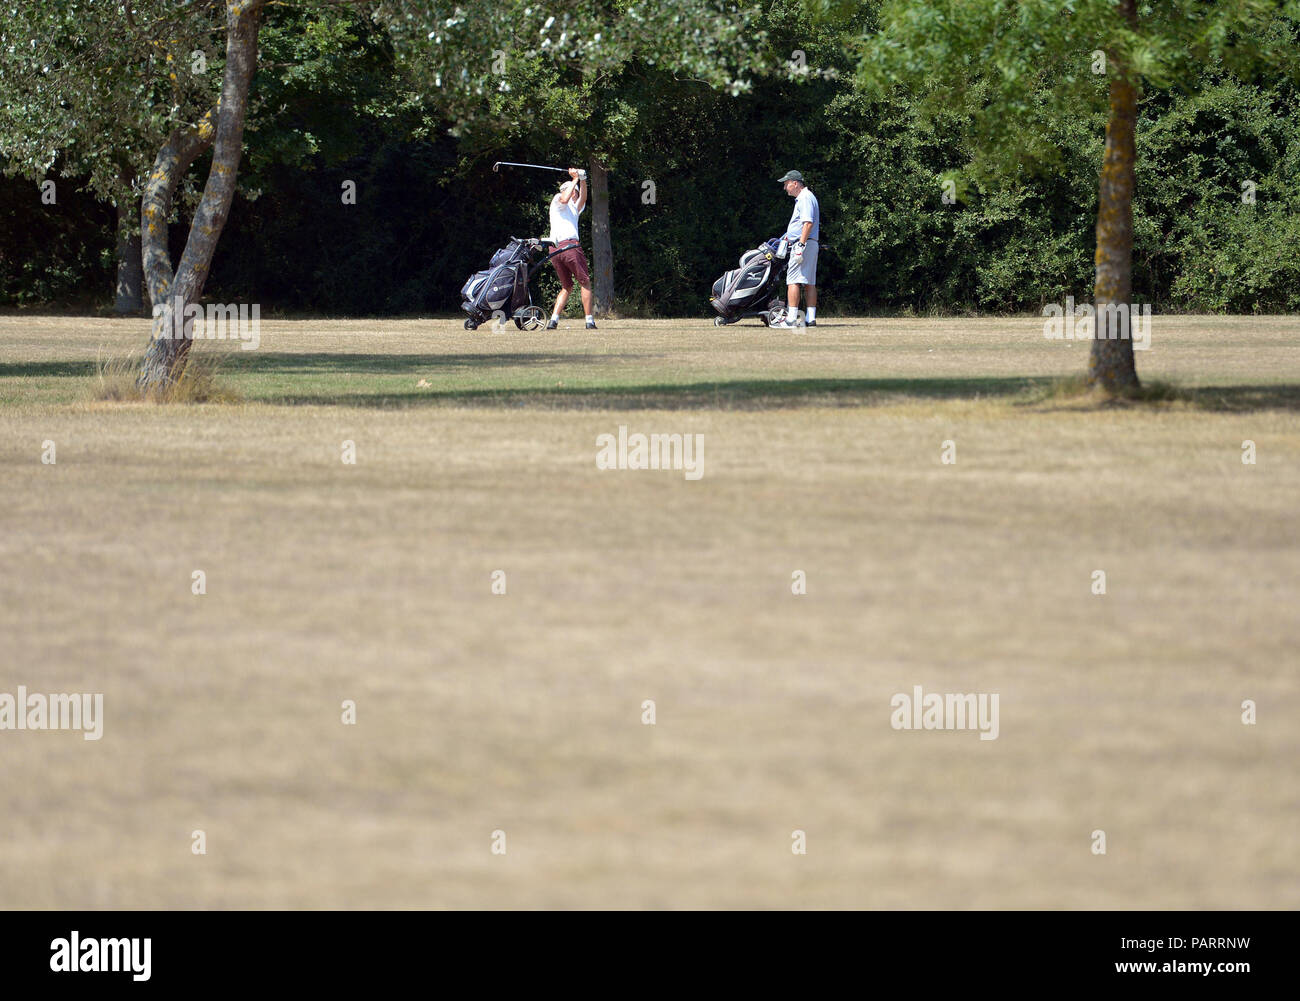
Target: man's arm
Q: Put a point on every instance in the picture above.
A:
(579, 188)
(576, 190)
(807, 232)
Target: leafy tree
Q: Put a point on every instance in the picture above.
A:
(572, 78)
(61, 75)
(326, 105)
(1017, 67)
(95, 88)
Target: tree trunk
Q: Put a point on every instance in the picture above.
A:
(182, 148)
(602, 249)
(1110, 365)
(128, 300)
(170, 341)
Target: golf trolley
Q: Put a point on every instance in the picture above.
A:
(744, 292)
(502, 290)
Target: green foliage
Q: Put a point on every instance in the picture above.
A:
(324, 79)
(1202, 158)
(338, 97)
(83, 84)
(1017, 67)
(457, 49)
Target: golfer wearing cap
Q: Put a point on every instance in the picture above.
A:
(802, 235)
(571, 264)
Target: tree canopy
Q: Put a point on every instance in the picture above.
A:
(361, 92)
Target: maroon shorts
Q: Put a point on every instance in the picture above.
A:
(571, 263)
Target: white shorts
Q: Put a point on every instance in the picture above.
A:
(803, 272)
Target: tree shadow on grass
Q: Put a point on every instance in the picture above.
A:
(1244, 399)
(327, 363)
(1036, 393)
(733, 394)
(335, 363)
(47, 369)
(1070, 395)
(1032, 393)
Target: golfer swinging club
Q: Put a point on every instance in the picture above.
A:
(571, 262)
(802, 234)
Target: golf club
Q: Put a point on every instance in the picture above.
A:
(535, 166)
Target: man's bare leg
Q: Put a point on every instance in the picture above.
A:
(792, 299)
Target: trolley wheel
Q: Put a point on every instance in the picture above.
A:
(719, 321)
(530, 318)
(471, 325)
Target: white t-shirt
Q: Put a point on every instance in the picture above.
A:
(806, 209)
(564, 219)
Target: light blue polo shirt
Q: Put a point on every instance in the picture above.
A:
(806, 209)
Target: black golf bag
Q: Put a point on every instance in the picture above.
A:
(502, 290)
(754, 289)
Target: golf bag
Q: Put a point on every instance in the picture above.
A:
(755, 288)
(502, 289)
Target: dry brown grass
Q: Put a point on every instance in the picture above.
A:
(116, 381)
(522, 712)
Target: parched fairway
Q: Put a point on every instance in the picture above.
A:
(523, 712)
